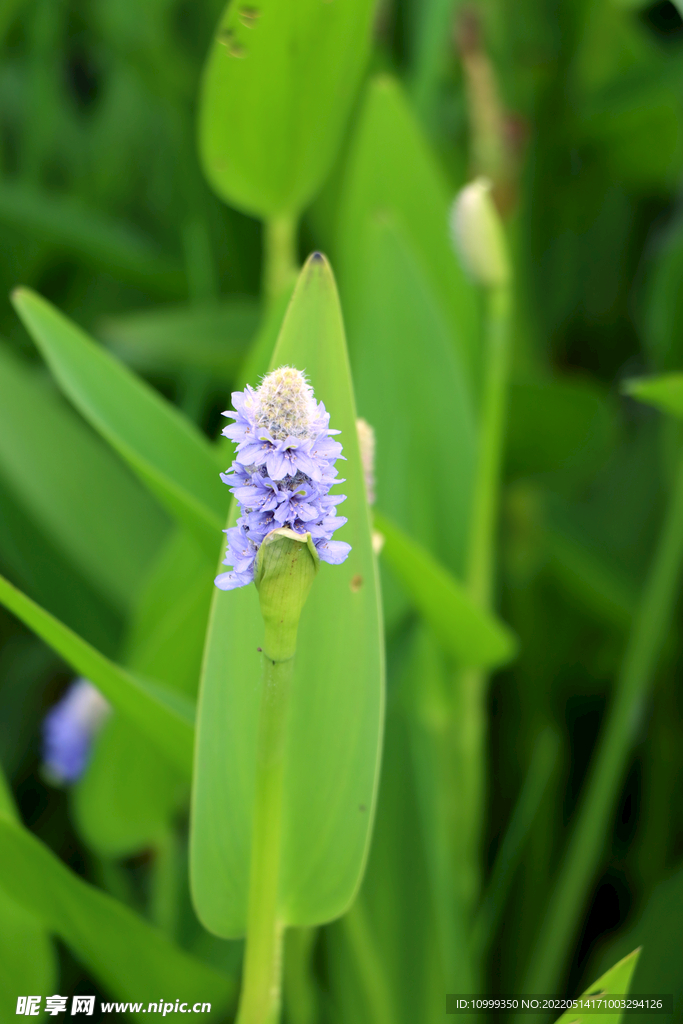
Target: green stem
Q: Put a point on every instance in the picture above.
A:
(481, 548)
(300, 988)
(279, 256)
(260, 998)
(635, 679)
(470, 712)
(432, 40)
(543, 761)
(165, 883)
(368, 964)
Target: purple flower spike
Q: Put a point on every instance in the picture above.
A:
(69, 729)
(282, 473)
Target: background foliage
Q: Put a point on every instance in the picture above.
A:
(105, 211)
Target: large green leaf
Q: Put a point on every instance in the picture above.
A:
(278, 85)
(164, 716)
(472, 636)
(21, 930)
(133, 960)
(162, 447)
(74, 487)
(332, 752)
(213, 337)
(615, 982)
(664, 392)
(392, 170)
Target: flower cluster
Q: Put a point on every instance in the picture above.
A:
(282, 473)
(69, 729)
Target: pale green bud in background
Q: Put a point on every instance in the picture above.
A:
(366, 443)
(478, 235)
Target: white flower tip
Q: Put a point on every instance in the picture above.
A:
(366, 443)
(286, 404)
(88, 705)
(478, 234)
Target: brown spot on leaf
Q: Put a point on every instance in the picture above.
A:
(226, 37)
(249, 16)
(356, 583)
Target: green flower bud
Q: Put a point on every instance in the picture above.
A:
(286, 566)
(478, 235)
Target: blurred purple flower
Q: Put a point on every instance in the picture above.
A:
(69, 729)
(282, 473)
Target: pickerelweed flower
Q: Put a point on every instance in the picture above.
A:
(282, 473)
(69, 729)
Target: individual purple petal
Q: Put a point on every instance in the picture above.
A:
(278, 465)
(333, 551)
(233, 580)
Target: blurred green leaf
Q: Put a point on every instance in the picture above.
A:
(544, 758)
(585, 573)
(257, 359)
(130, 958)
(213, 337)
(35, 564)
(166, 637)
(613, 517)
(164, 716)
(72, 485)
(640, 132)
(627, 103)
(387, 967)
(664, 392)
(335, 716)
(412, 388)
(615, 982)
(128, 795)
(8, 11)
(277, 89)
(473, 637)
(20, 931)
(663, 301)
(559, 426)
(165, 450)
(429, 701)
(392, 171)
(68, 225)
(659, 929)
